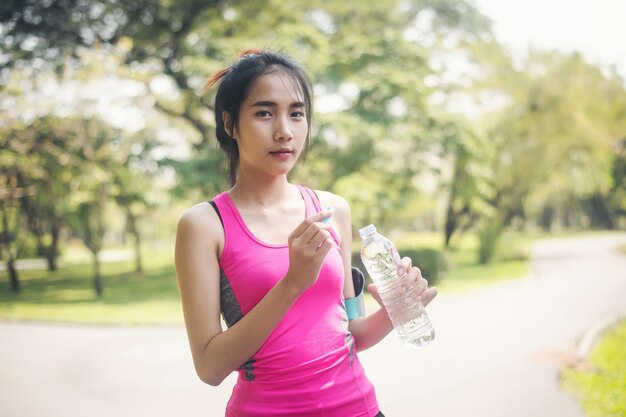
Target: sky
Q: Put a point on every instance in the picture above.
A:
(596, 29)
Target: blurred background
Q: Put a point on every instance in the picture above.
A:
(465, 130)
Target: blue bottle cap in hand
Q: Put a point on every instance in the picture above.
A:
(327, 219)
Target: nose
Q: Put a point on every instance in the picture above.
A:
(282, 131)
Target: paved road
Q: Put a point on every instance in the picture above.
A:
(498, 352)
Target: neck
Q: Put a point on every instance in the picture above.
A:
(261, 191)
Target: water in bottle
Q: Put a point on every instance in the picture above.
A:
(407, 314)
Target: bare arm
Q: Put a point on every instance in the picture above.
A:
(217, 353)
(371, 329)
(367, 331)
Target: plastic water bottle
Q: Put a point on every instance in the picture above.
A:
(407, 314)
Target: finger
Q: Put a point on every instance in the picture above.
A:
(418, 272)
(309, 233)
(417, 290)
(404, 266)
(320, 237)
(373, 290)
(428, 295)
(312, 234)
(421, 286)
(412, 277)
(306, 223)
(323, 249)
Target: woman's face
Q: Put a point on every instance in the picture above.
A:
(272, 126)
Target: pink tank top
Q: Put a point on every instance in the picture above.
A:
(308, 365)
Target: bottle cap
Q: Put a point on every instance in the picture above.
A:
(367, 230)
(327, 219)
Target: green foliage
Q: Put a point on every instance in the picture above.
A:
(200, 177)
(468, 188)
(601, 386)
(553, 136)
(488, 236)
(382, 139)
(29, 248)
(374, 196)
(617, 201)
(350, 51)
(45, 32)
(431, 262)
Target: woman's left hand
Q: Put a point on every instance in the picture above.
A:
(413, 281)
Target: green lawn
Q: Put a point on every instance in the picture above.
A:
(464, 272)
(601, 383)
(153, 298)
(68, 294)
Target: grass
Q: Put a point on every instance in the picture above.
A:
(601, 385)
(464, 272)
(153, 298)
(68, 294)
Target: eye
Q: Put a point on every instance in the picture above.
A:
(263, 113)
(297, 114)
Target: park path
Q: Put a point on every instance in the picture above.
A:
(498, 352)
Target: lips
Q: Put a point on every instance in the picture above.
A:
(284, 151)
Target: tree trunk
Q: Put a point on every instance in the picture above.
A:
(602, 215)
(97, 276)
(132, 226)
(450, 226)
(52, 251)
(489, 238)
(547, 218)
(453, 221)
(6, 243)
(13, 275)
(51, 260)
(138, 260)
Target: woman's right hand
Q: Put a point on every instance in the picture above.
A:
(309, 244)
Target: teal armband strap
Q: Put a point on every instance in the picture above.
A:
(355, 306)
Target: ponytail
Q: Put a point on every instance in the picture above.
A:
(221, 73)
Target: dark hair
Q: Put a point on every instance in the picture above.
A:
(235, 84)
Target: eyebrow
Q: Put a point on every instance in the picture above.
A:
(273, 104)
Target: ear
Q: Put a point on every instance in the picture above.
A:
(226, 121)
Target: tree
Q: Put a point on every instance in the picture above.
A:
(553, 137)
(618, 174)
(45, 33)
(51, 151)
(130, 185)
(468, 187)
(91, 194)
(568, 124)
(23, 174)
(11, 241)
(377, 66)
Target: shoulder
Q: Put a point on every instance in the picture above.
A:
(342, 218)
(340, 204)
(197, 215)
(200, 222)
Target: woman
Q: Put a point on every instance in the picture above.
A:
(266, 256)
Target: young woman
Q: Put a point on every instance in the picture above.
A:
(274, 259)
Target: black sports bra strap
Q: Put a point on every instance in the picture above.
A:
(211, 202)
(319, 203)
